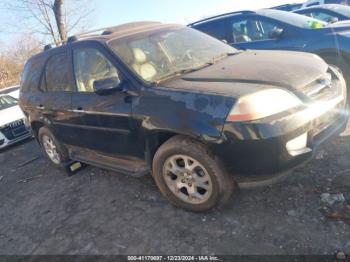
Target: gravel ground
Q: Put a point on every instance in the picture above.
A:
(42, 211)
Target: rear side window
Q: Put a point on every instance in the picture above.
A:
(30, 77)
(57, 73)
(215, 29)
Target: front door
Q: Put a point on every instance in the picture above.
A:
(102, 122)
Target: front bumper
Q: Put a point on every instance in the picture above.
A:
(257, 150)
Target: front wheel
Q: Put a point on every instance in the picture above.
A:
(189, 176)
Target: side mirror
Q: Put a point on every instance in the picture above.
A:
(276, 33)
(333, 20)
(107, 85)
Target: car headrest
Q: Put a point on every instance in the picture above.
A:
(139, 56)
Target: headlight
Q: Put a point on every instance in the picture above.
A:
(1, 136)
(262, 104)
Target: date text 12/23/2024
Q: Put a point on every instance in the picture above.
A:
(173, 258)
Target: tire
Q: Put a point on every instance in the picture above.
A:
(201, 185)
(60, 156)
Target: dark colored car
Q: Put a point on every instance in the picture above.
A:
(274, 29)
(288, 7)
(329, 13)
(196, 112)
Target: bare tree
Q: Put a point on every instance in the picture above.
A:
(14, 56)
(57, 9)
(49, 18)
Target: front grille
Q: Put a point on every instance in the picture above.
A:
(14, 130)
(327, 87)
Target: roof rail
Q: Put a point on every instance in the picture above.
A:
(99, 32)
(245, 12)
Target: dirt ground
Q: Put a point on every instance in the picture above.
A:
(42, 211)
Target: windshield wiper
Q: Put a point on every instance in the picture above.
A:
(224, 55)
(190, 70)
(183, 71)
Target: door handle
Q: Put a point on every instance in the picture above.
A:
(40, 107)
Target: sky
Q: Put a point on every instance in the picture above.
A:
(113, 12)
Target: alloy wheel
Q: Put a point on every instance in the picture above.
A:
(51, 149)
(187, 179)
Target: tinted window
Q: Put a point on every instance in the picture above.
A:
(31, 74)
(57, 73)
(252, 29)
(216, 29)
(90, 65)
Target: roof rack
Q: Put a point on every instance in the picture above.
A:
(109, 30)
(100, 32)
(246, 12)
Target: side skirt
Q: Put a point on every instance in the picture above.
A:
(129, 166)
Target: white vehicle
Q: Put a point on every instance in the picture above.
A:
(321, 2)
(12, 124)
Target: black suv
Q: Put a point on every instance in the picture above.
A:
(198, 114)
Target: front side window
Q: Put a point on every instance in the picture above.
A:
(252, 29)
(91, 65)
(7, 101)
(155, 56)
(57, 73)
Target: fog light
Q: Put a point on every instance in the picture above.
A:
(297, 146)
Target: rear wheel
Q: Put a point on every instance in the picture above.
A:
(54, 150)
(189, 176)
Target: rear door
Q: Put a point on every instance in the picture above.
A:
(102, 121)
(54, 99)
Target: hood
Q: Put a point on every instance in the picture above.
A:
(10, 115)
(256, 69)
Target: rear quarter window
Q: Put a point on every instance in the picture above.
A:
(31, 74)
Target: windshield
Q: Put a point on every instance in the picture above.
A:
(7, 101)
(293, 19)
(156, 56)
